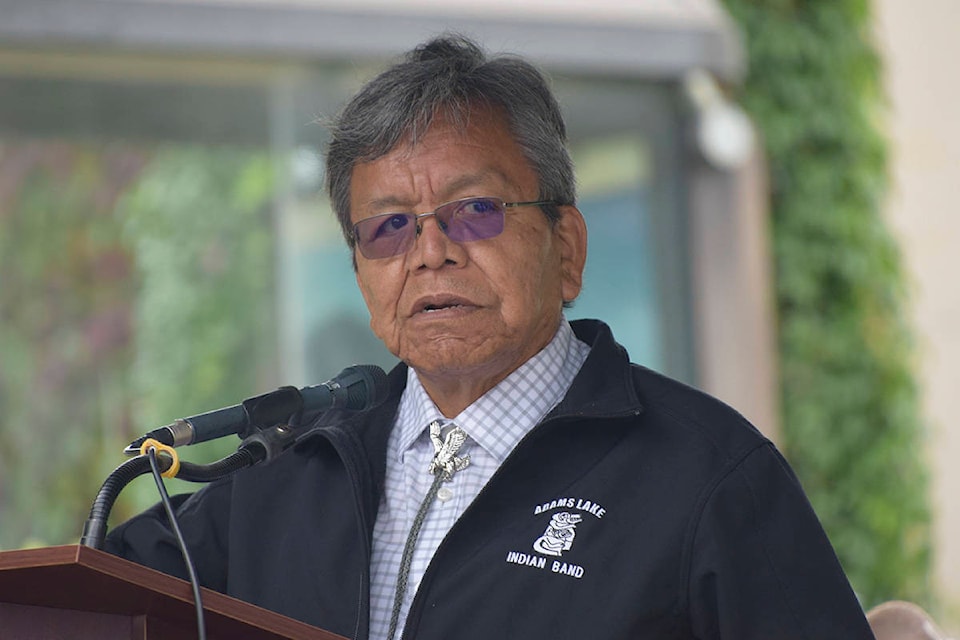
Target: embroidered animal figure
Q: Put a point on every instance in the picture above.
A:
(559, 534)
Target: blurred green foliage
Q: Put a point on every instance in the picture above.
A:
(65, 331)
(852, 426)
(200, 227)
(135, 289)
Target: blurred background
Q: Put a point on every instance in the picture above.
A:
(768, 184)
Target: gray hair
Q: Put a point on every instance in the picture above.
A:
(450, 75)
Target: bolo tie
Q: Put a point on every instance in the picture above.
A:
(445, 463)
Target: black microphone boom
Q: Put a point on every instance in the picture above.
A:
(356, 388)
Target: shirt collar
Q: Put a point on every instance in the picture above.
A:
(500, 418)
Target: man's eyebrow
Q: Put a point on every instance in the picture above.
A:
(470, 180)
(386, 203)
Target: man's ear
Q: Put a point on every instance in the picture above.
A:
(571, 230)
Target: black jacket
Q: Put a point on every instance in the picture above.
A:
(682, 521)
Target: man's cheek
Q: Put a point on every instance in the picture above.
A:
(385, 326)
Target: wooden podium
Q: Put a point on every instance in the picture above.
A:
(79, 593)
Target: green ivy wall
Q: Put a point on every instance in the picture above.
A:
(851, 417)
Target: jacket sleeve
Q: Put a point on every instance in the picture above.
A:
(203, 517)
(761, 565)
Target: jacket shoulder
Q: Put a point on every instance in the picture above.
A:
(696, 415)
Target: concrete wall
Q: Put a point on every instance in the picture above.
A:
(922, 59)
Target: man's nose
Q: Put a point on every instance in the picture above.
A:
(433, 248)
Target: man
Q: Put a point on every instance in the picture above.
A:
(524, 479)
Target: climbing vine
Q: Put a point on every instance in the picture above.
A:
(851, 417)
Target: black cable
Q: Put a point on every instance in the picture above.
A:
(175, 526)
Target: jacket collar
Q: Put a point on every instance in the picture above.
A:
(604, 386)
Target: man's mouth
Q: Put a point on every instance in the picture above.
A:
(433, 305)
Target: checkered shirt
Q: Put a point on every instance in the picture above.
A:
(495, 424)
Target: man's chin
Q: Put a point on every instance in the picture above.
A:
(450, 356)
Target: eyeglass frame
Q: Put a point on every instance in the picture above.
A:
(416, 217)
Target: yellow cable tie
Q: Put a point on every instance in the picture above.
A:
(162, 448)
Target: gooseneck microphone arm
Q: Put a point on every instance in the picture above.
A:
(95, 528)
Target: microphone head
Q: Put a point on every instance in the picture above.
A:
(366, 386)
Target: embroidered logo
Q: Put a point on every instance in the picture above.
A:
(565, 514)
(559, 534)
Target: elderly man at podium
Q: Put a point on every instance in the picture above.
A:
(523, 479)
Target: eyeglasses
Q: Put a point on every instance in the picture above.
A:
(392, 234)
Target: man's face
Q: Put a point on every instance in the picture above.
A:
(474, 310)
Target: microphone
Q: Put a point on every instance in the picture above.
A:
(356, 388)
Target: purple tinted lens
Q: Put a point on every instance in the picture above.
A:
(385, 235)
(472, 219)
(391, 234)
